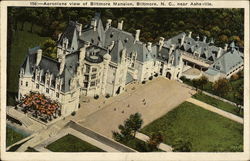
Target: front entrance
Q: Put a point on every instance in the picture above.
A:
(118, 90)
(168, 75)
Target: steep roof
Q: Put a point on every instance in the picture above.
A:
(228, 61)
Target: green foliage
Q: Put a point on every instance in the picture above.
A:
(155, 140)
(182, 145)
(12, 136)
(217, 103)
(153, 22)
(221, 87)
(49, 48)
(205, 130)
(70, 143)
(129, 128)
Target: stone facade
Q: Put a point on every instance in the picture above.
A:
(101, 60)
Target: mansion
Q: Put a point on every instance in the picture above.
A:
(102, 59)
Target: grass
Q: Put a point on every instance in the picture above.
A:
(217, 103)
(70, 143)
(21, 42)
(138, 145)
(12, 136)
(207, 131)
(234, 85)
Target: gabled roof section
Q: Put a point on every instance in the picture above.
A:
(228, 61)
(116, 52)
(69, 33)
(27, 69)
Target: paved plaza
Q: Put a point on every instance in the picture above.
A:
(152, 100)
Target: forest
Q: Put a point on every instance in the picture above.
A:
(223, 25)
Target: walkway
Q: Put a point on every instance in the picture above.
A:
(216, 110)
(162, 146)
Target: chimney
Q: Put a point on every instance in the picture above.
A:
(108, 24)
(59, 36)
(226, 47)
(110, 47)
(94, 24)
(120, 25)
(137, 35)
(62, 64)
(149, 46)
(182, 39)
(161, 42)
(65, 43)
(171, 49)
(219, 52)
(197, 38)
(82, 53)
(80, 29)
(38, 56)
(204, 39)
(190, 34)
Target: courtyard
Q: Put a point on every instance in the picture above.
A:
(152, 100)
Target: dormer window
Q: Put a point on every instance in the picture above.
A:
(126, 40)
(99, 39)
(92, 41)
(111, 35)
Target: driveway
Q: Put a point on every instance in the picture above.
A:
(152, 100)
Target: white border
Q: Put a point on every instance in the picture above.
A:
(126, 156)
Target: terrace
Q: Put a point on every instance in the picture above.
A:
(40, 107)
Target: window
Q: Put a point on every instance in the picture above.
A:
(48, 82)
(86, 77)
(21, 83)
(58, 87)
(57, 94)
(27, 84)
(47, 90)
(93, 76)
(94, 69)
(92, 84)
(37, 86)
(85, 84)
(37, 77)
(87, 68)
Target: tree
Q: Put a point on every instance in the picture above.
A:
(134, 122)
(182, 145)
(129, 128)
(49, 48)
(195, 83)
(201, 82)
(239, 98)
(221, 87)
(155, 140)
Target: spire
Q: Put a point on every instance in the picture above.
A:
(27, 71)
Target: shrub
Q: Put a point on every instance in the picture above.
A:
(156, 75)
(73, 113)
(150, 78)
(143, 82)
(96, 97)
(107, 95)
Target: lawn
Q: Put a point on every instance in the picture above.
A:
(234, 85)
(138, 145)
(70, 143)
(207, 131)
(12, 136)
(217, 103)
(21, 42)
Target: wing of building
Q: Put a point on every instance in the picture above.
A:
(101, 60)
